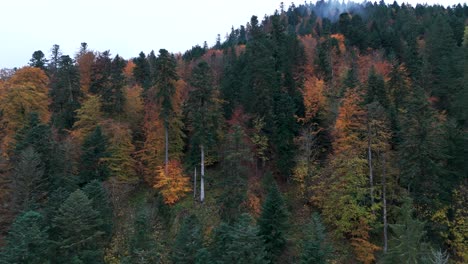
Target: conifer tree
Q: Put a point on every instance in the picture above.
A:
(315, 248)
(187, 242)
(92, 163)
(273, 223)
(143, 247)
(65, 94)
(27, 240)
(142, 72)
(100, 202)
(38, 60)
(79, 229)
(203, 112)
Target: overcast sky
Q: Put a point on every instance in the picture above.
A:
(124, 27)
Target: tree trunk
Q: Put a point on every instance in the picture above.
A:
(371, 171)
(166, 153)
(384, 199)
(202, 174)
(195, 183)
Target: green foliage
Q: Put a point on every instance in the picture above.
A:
(315, 248)
(80, 229)
(187, 242)
(65, 94)
(27, 241)
(142, 245)
(273, 223)
(142, 71)
(239, 243)
(94, 151)
(407, 244)
(165, 84)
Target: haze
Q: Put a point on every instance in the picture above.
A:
(123, 27)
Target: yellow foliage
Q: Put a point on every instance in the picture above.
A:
(88, 117)
(25, 92)
(121, 162)
(152, 154)
(174, 185)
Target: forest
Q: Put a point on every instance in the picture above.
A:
(327, 132)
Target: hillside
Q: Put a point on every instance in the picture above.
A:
(324, 133)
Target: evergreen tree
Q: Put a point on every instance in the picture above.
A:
(142, 71)
(38, 60)
(407, 245)
(376, 89)
(100, 202)
(273, 223)
(165, 90)
(29, 182)
(94, 151)
(187, 242)
(79, 229)
(65, 93)
(315, 248)
(239, 243)
(143, 247)
(27, 241)
(203, 113)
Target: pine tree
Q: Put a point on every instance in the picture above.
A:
(65, 94)
(143, 247)
(239, 243)
(203, 113)
(79, 229)
(187, 242)
(142, 72)
(27, 240)
(29, 182)
(407, 245)
(94, 151)
(273, 223)
(38, 60)
(315, 249)
(100, 202)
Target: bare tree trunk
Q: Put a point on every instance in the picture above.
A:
(195, 183)
(202, 174)
(384, 199)
(371, 171)
(166, 154)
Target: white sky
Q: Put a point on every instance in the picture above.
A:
(125, 27)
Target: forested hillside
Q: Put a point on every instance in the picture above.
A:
(324, 133)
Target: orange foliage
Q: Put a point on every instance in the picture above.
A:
(313, 97)
(363, 249)
(33, 77)
(310, 45)
(375, 59)
(174, 185)
(85, 63)
(350, 123)
(25, 92)
(128, 70)
(341, 41)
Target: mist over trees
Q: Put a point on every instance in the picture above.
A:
(326, 132)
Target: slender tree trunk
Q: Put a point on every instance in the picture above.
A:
(166, 153)
(195, 183)
(371, 170)
(384, 199)
(202, 174)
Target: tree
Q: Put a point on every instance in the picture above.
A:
(272, 223)
(85, 60)
(407, 243)
(187, 242)
(54, 59)
(173, 185)
(315, 248)
(143, 247)
(239, 243)
(87, 117)
(92, 160)
(142, 72)
(236, 157)
(27, 241)
(26, 92)
(29, 184)
(65, 94)
(165, 90)
(100, 202)
(38, 60)
(79, 229)
(204, 115)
